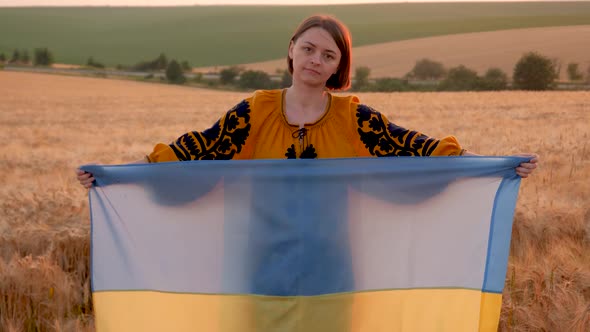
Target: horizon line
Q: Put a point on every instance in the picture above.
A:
(284, 4)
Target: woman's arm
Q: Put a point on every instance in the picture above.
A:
(224, 140)
(379, 137)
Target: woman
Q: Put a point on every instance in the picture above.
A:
(306, 120)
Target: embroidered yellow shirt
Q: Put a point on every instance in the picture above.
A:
(257, 128)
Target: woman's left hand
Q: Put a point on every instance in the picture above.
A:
(527, 168)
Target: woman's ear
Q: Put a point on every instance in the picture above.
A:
(291, 45)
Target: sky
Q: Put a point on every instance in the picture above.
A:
(19, 3)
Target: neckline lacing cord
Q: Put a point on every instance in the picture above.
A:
(301, 133)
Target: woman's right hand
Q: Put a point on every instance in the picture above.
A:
(86, 179)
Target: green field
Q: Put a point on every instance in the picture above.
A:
(218, 35)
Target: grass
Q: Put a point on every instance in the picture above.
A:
(225, 35)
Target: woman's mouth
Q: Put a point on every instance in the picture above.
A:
(312, 71)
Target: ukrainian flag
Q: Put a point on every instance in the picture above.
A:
(368, 244)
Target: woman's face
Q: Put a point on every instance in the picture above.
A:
(315, 57)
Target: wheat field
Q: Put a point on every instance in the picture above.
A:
(49, 125)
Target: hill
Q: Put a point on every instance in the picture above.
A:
(478, 51)
(225, 35)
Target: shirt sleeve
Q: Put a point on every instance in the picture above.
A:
(223, 141)
(381, 138)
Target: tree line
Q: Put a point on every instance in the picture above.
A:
(533, 71)
(41, 57)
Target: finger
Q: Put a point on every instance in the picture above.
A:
(523, 171)
(533, 157)
(528, 165)
(88, 180)
(88, 184)
(84, 177)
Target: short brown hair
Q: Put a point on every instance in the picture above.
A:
(341, 79)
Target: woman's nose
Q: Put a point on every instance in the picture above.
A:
(315, 59)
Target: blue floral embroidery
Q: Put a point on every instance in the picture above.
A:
(385, 140)
(220, 142)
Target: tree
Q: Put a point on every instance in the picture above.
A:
(174, 73)
(494, 79)
(186, 66)
(286, 79)
(43, 57)
(92, 63)
(573, 72)
(15, 56)
(534, 72)
(228, 75)
(25, 58)
(255, 79)
(390, 84)
(426, 69)
(361, 78)
(161, 62)
(2, 57)
(556, 67)
(461, 78)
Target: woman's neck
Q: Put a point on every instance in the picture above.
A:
(306, 101)
(305, 104)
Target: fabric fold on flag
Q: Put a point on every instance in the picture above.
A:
(359, 244)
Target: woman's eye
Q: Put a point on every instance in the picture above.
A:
(307, 49)
(329, 56)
